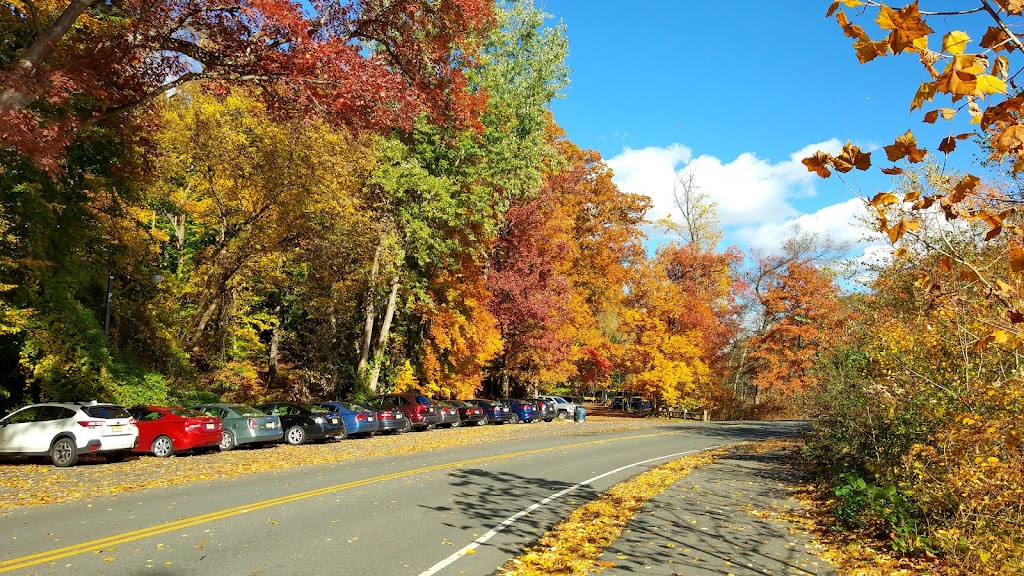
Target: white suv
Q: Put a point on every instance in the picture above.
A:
(65, 430)
(565, 409)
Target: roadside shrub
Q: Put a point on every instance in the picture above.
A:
(886, 510)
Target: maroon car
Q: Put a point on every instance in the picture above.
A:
(422, 414)
(164, 430)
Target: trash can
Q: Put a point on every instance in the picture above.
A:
(581, 414)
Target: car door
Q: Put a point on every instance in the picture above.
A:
(147, 423)
(18, 431)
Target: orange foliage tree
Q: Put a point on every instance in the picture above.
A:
(801, 312)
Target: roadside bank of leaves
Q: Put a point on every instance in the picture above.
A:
(30, 482)
(573, 546)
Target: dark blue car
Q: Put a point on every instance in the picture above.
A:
(524, 410)
(495, 412)
(358, 420)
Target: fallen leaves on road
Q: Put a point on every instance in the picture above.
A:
(25, 483)
(574, 545)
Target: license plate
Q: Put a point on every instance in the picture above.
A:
(370, 419)
(210, 426)
(116, 427)
(269, 424)
(334, 420)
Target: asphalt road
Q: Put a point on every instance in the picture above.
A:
(457, 511)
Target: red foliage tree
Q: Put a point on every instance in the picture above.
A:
(367, 63)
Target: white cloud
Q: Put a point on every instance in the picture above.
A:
(748, 190)
(840, 222)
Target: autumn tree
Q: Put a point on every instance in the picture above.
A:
(801, 310)
(371, 64)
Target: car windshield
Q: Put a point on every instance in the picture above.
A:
(186, 412)
(106, 412)
(246, 411)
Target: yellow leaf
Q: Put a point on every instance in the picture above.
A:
(991, 85)
(955, 42)
(471, 551)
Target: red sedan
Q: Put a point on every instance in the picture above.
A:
(164, 430)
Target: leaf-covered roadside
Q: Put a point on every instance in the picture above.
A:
(24, 483)
(574, 546)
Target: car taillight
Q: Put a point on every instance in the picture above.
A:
(420, 409)
(90, 423)
(253, 424)
(388, 415)
(360, 417)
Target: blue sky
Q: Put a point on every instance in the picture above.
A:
(743, 90)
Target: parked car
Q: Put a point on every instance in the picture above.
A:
(165, 430)
(66, 430)
(242, 424)
(305, 422)
(470, 414)
(523, 410)
(422, 414)
(564, 408)
(391, 419)
(495, 411)
(450, 417)
(359, 420)
(546, 408)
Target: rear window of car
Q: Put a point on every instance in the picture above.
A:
(422, 400)
(106, 412)
(317, 409)
(186, 412)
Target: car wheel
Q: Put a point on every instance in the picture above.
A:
(64, 453)
(295, 435)
(562, 414)
(481, 422)
(343, 435)
(514, 419)
(116, 456)
(457, 423)
(163, 447)
(227, 441)
(406, 427)
(548, 419)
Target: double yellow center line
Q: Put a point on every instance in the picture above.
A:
(102, 543)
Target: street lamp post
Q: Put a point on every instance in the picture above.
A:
(110, 298)
(155, 279)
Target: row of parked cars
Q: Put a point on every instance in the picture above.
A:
(64, 431)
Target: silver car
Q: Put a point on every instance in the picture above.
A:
(243, 424)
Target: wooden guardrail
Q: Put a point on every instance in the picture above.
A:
(672, 412)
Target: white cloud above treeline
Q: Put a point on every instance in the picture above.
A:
(759, 202)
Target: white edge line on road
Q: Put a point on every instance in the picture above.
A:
(512, 519)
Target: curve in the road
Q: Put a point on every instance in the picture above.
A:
(512, 519)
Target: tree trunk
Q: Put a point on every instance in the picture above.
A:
(505, 390)
(385, 331)
(370, 313)
(275, 341)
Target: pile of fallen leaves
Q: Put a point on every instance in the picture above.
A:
(574, 546)
(28, 482)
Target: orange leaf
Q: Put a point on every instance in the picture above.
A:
(819, 163)
(902, 227)
(947, 145)
(946, 264)
(993, 233)
(883, 199)
(851, 158)
(905, 147)
(1017, 259)
(894, 171)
